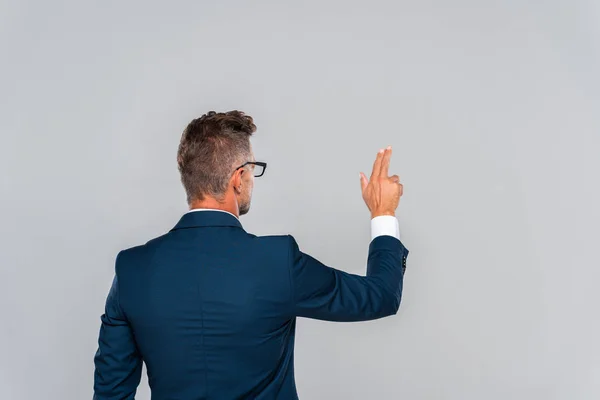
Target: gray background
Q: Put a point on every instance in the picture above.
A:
(493, 111)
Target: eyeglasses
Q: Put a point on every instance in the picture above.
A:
(258, 169)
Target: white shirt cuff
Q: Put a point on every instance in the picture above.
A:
(385, 225)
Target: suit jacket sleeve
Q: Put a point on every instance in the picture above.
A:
(326, 293)
(118, 364)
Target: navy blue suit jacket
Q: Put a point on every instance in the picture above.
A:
(211, 309)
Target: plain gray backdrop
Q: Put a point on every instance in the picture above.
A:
(493, 111)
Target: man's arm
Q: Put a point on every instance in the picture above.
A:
(322, 292)
(118, 364)
(326, 293)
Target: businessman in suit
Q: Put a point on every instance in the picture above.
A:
(210, 308)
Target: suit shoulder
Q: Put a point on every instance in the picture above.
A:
(128, 255)
(281, 240)
(149, 245)
(131, 254)
(273, 246)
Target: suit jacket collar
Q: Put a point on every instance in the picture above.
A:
(199, 219)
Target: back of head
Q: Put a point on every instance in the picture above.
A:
(210, 148)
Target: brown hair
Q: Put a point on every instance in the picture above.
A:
(210, 148)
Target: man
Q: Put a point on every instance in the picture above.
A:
(210, 308)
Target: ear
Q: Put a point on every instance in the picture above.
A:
(236, 179)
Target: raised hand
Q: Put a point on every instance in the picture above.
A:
(381, 192)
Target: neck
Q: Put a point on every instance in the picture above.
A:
(229, 204)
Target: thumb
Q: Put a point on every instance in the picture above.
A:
(363, 181)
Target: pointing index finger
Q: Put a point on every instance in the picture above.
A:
(377, 164)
